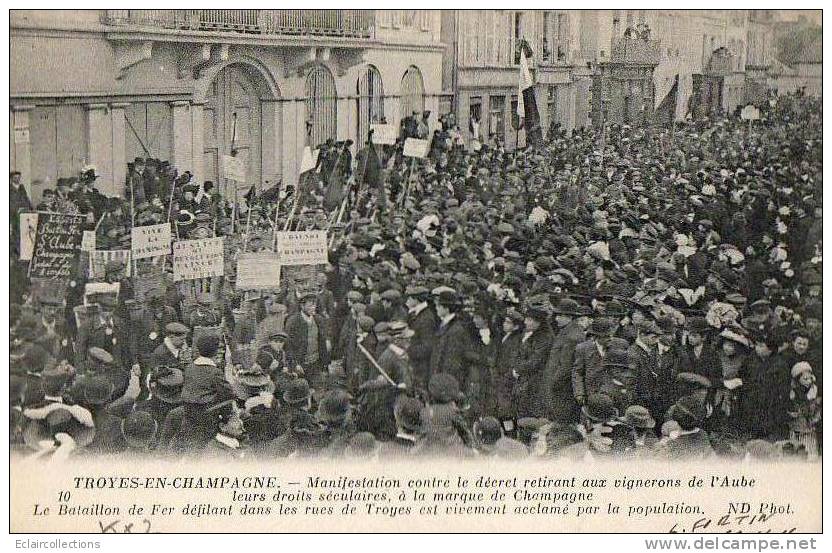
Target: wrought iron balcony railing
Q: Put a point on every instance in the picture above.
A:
(635, 50)
(335, 23)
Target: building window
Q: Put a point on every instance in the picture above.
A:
(321, 105)
(412, 93)
(552, 104)
(475, 117)
(562, 43)
(548, 41)
(497, 116)
(370, 101)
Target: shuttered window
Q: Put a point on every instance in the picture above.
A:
(321, 104)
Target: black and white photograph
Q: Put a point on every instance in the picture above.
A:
(284, 237)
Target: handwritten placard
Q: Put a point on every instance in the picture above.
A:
(100, 258)
(197, 259)
(258, 271)
(414, 147)
(307, 247)
(28, 230)
(57, 243)
(384, 134)
(150, 241)
(234, 168)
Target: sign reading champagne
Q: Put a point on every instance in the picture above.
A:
(197, 259)
(150, 241)
(307, 247)
(57, 243)
(258, 271)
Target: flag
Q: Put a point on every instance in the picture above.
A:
(372, 167)
(526, 101)
(337, 182)
(665, 114)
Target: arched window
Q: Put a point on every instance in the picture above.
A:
(321, 104)
(370, 101)
(413, 92)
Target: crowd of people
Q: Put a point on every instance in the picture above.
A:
(634, 292)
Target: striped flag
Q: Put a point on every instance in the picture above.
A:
(526, 102)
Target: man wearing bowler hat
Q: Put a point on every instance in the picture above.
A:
(307, 341)
(588, 373)
(451, 340)
(561, 405)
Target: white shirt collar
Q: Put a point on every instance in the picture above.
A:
(204, 361)
(419, 308)
(448, 318)
(54, 399)
(396, 349)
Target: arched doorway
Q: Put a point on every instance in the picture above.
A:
(232, 119)
(321, 105)
(370, 101)
(412, 93)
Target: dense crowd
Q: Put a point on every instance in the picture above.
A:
(642, 292)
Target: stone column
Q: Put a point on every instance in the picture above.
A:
(100, 146)
(182, 138)
(20, 145)
(272, 143)
(119, 155)
(197, 142)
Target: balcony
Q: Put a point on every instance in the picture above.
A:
(635, 51)
(353, 24)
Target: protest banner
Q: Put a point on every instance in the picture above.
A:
(100, 258)
(414, 147)
(28, 229)
(88, 241)
(150, 241)
(197, 259)
(309, 160)
(57, 243)
(258, 271)
(234, 168)
(93, 291)
(384, 134)
(302, 247)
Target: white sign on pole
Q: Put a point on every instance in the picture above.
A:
(309, 159)
(28, 230)
(384, 134)
(88, 241)
(414, 147)
(197, 259)
(234, 168)
(150, 241)
(302, 247)
(750, 113)
(258, 271)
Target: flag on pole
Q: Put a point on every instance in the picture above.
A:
(665, 114)
(526, 101)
